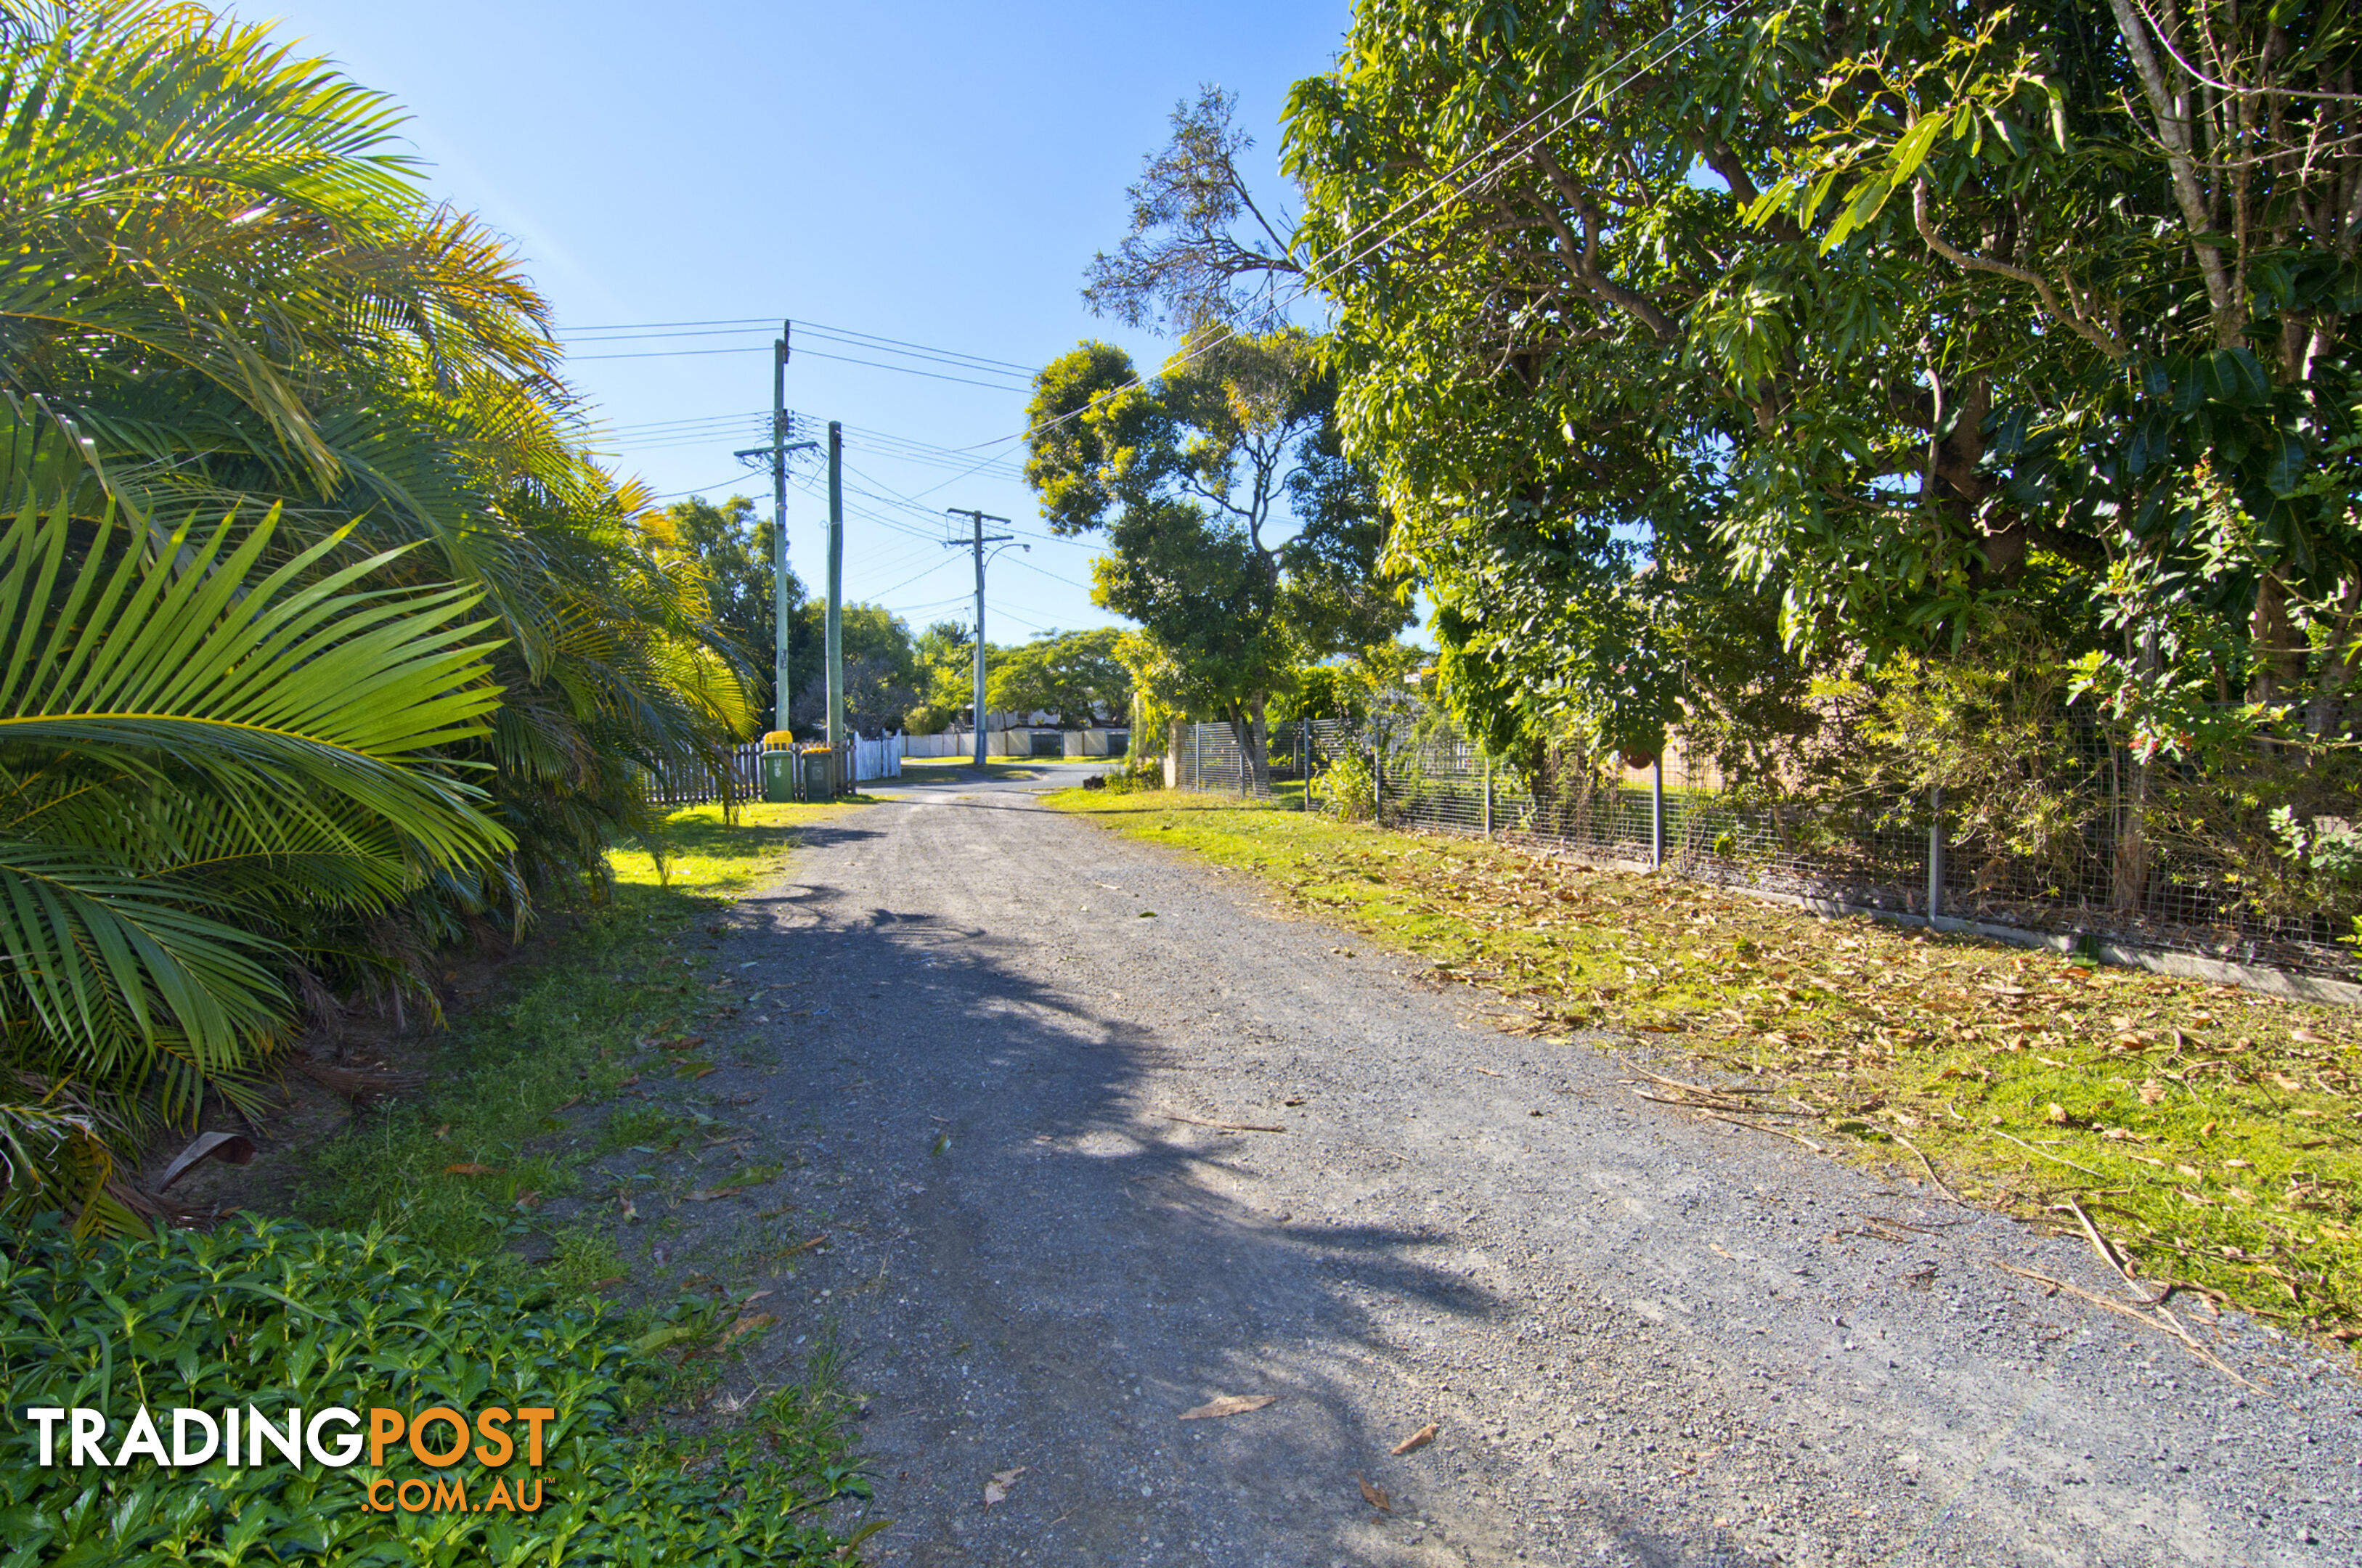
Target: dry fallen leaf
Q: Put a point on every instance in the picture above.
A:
(444, 1131)
(528, 1198)
(2151, 1092)
(1229, 1405)
(745, 1325)
(997, 1489)
(1374, 1496)
(2307, 1037)
(1419, 1439)
(707, 1194)
(631, 1209)
(468, 1167)
(2055, 1113)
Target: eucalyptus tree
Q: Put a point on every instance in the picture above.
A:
(1196, 475)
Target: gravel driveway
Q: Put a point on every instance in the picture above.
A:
(1643, 1336)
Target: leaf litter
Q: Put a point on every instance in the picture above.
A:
(2013, 1078)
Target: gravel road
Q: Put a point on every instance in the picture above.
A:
(985, 1039)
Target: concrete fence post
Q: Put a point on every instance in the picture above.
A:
(1936, 853)
(1657, 814)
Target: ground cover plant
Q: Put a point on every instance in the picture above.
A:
(2212, 1134)
(267, 1314)
(422, 1272)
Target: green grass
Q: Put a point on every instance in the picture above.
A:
(939, 767)
(456, 1179)
(2212, 1134)
(584, 1019)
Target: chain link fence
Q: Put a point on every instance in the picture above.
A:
(2093, 876)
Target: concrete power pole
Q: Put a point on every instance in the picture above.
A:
(781, 426)
(780, 689)
(976, 542)
(836, 585)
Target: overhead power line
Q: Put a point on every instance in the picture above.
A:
(660, 329)
(1449, 177)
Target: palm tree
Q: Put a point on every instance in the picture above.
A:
(224, 293)
(199, 754)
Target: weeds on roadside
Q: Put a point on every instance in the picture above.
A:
(265, 1313)
(422, 1283)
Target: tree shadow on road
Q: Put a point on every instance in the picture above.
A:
(1034, 1269)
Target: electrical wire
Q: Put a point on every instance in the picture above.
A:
(1447, 177)
(1701, 30)
(1054, 576)
(815, 353)
(820, 328)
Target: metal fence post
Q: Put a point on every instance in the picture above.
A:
(1936, 855)
(1488, 794)
(1377, 780)
(1657, 814)
(1197, 756)
(1304, 758)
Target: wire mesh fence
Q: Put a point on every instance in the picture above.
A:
(2100, 866)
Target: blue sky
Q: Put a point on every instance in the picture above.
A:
(934, 173)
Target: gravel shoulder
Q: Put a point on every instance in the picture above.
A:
(987, 1070)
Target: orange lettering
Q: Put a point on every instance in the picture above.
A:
(533, 1416)
(450, 1495)
(459, 1449)
(502, 1449)
(385, 1427)
(385, 1506)
(533, 1506)
(500, 1498)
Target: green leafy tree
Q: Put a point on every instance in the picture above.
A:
(732, 548)
(1076, 676)
(229, 295)
(946, 653)
(1187, 474)
(882, 670)
(1691, 343)
(200, 756)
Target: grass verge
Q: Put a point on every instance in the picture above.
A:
(2215, 1135)
(407, 1283)
(267, 1315)
(464, 1168)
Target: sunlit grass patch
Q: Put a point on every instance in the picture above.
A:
(2211, 1131)
(465, 1166)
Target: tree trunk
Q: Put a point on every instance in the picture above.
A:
(1261, 749)
(1246, 730)
(2132, 867)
